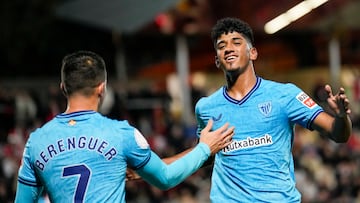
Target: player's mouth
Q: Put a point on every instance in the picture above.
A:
(230, 59)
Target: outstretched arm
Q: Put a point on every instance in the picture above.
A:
(165, 176)
(171, 159)
(337, 126)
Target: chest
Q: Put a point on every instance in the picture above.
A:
(252, 118)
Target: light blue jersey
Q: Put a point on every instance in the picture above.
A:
(258, 165)
(82, 157)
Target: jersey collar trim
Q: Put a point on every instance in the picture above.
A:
(74, 114)
(232, 100)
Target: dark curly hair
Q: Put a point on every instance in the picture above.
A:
(229, 24)
(81, 72)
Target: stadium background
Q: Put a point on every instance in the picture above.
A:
(160, 61)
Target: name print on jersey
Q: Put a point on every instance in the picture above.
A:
(74, 143)
(248, 143)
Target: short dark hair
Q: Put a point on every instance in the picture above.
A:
(81, 71)
(229, 24)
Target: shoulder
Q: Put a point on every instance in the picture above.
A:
(116, 122)
(119, 127)
(102, 120)
(281, 88)
(42, 129)
(210, 98)
(275, 84)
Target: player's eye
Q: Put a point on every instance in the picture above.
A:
(237, 42)
(221, 46)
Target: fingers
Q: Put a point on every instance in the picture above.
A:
(228, 134)
(209, 125)
(345, 103)
(341, 92)
(339, 102)
(339, 97)
(218, 138)
(131, 175)
(223, 128)
(329, 90)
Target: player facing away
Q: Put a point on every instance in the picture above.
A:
(258, 165)
(82, 156)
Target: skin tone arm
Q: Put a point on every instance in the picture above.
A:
(171, 159)
(337, 127)
(203, 137)
(165, 176)
(216, 140)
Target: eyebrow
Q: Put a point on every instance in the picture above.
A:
(233, 39)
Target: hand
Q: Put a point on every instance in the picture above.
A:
(131, 175)
(218, 139)
(339, 103)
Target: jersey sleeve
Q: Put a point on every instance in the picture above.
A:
(164, 176)
(137, 149)
(27, 193)
(300, 107)
(199, 120)
(29, 186)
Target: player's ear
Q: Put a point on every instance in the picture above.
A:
(217, 62)
(253, 53)
(63, 89)
(102, 89)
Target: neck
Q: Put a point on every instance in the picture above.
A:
(241, 85)
(82, 103)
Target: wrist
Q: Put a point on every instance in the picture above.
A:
(205, 148)
(341, 115)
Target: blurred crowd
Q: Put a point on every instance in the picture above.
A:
(325, 171)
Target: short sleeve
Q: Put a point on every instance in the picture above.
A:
(137, 149)
(27, 174)
(301, 108)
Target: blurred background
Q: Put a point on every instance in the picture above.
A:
(160, 61)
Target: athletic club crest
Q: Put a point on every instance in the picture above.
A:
(265, 108)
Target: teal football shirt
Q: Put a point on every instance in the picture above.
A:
(258, 165)
(82, 157)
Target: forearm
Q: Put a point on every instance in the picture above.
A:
(341, 128)
(26, 193)
(341, 123)
(169, 160)
(337, 128)
(164, 176)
